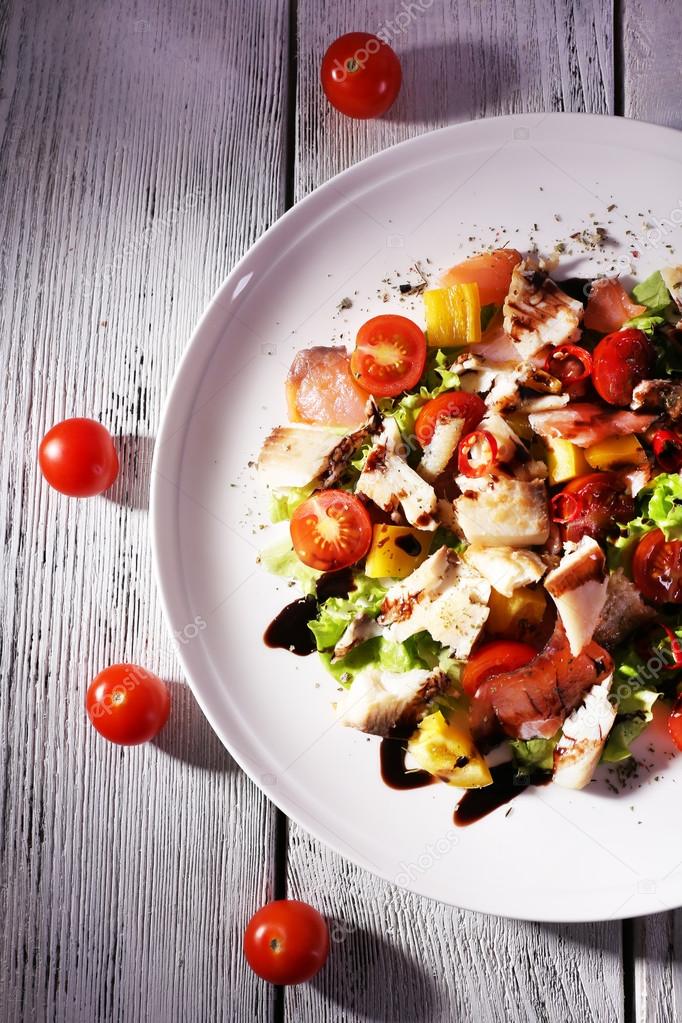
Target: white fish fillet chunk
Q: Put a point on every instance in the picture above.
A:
(584, 736)
(503, 512)
(440, 449)
(389, 481)
(538, 313)
(293, 456)
(578, 587)
(443, 597)
(505, 569)
(377, 699)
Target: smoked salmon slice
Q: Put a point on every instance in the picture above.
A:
(492, 272)
(609, 306)
(321, 390)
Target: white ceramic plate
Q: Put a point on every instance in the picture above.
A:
(558, 855)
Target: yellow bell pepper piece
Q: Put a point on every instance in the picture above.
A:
(396, 551)
(616, 453)
(446, 750)
(453, 316)
(564, 460)
(517, 616)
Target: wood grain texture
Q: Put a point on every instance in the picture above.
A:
(652, 61)
(397, 957)
(129, 134)
(652, 91)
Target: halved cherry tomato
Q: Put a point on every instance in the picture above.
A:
(360, 75)
(494, 659)
(389, 356)
(331, 530)
(675, 723)
(127, 704)
(603, 500)
(667, 447)
(78, 458)
(620, 362)
(657, 568)
(450, 405)
(286, 942)
(483, 446)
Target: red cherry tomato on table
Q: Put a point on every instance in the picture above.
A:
(599, 501)
(389, 356)
(331, 530)
(450, 405)
(127, 704)
(77, 457)
(675, 723)
(657, 568)
(286, 942)
(360, 75)
(493, 659)
(620, 362)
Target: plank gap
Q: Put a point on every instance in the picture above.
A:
(628, 953)
(618, 59)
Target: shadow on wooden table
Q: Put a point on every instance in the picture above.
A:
(131, 489)
(426, 95)
(357, 956)
(187, 736)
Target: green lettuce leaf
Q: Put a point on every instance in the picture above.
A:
(654, 294)
(337, 613)
(634, 714)
(283, 503)
(437, 378)
(419, 651)
(281, 559)
(660, 505)
(532, 755)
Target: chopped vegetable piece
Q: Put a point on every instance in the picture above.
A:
(453, 316)
(518, 616)
(564, 460)
(570, 364)
(445, 749)
(616, 453)
(451, 405)
(657, 568)
(396, 551)
(492, 659)
(565, 508)
(483, 447)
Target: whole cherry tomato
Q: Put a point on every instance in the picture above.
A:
(592, 505)
(77, 457)
(361, 75)
(286, 942)
(127, 704)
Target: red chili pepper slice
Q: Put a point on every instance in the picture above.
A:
(675, 649)
(565, 508)
(668, 450)
(470, 442)
(564, 356)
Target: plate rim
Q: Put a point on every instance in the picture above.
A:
(158, 517)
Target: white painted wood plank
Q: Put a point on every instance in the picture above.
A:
(652, 91)
(141, 152)
(394, 956)
(652, 61)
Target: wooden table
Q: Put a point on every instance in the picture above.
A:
(144, 145)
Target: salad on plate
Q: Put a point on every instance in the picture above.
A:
(485, 522)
